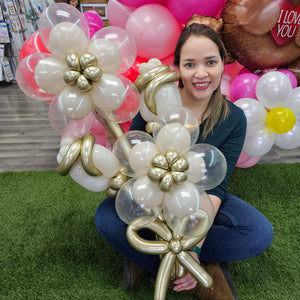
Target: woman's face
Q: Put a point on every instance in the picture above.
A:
(200, 67)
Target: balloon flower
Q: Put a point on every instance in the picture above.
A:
(80, 77)
(274, 118)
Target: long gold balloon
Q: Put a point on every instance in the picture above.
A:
(172, 249)
(143, 79)
(155, 84)
(86, 156)
(70, 158)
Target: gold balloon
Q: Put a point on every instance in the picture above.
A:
(116, 182)
(86, 156)
(71, 76)
(92, 73)
(87, 60)
(155, 84)
(172, 156)
(156, 174)
(111, 193)
(180, 165)
(83, 84)
(172, 250)
(160, 161)
(143, 79)
(70, 158)
(179, 177)
(149, 127)
(72, 61)
(166, 182)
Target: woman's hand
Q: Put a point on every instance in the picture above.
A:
(187, 282)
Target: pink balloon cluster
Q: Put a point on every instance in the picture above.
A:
(156, 24)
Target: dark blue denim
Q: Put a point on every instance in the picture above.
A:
(239, 231)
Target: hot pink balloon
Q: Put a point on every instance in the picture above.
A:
(243, 86)
(182, 10)
(155, 31)
(95, 22)
(118, 13)
(291, 76)
(138, 3)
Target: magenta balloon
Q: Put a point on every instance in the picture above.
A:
(182, 10)
(118, 13)
(246, 161)
(291, 76)
(138, 3)
(93, 17)
(154, 30)
(243, 86)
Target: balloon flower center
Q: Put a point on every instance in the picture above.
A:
(168, 169)
(83, 71)
(280, 120)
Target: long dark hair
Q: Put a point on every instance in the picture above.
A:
(217, 105)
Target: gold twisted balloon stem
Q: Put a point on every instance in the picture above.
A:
(82, 148)
(172, 249)
(152, 80)
(70, 158)
(86, 156)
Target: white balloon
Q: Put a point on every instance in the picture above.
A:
(146, 193)
(293, 102)
(167, 96)
(108, 55)
(183, 200)
(173, 136)
(260, 143)
(140, 157)
(74, 104)
(65, 38)
(105, 161)
(255, 112)
(273, 89)
(152, 63)
(289, 140)
(108, 93)
(196, 166)
(49, 73)
(91, 183)
(128, 209)
(147, 115)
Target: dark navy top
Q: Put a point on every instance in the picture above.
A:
(227, 136)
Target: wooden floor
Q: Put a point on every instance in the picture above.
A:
(28, 142)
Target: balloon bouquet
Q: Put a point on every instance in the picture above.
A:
(159, 180)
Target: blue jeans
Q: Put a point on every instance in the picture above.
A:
(239, 231)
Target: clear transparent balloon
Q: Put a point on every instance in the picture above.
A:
(124, 42)
(58, 13)
(196, 224)
(67, 127)
(129, 97)
(26, 78)
(123, 146)
(213, 165)
(181, 115)
(127, 209)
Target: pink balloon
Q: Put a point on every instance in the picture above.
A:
(138, 3)
(155, 31)
(185, 9)
(26, 80)
(246, 161)
(118, 13)
(243, 86)
(95, 22)
(225, 85)
(98, 131)
(291, 76)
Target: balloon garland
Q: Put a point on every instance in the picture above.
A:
(82, 82)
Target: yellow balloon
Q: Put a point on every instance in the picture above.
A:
(280, 120)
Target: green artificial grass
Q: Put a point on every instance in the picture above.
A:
(50, 248)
